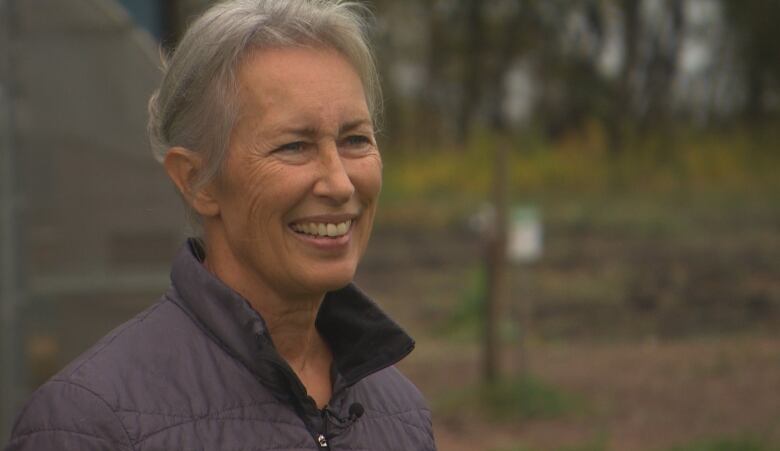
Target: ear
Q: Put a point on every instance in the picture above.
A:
(183, 166)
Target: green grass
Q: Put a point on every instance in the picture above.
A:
(727, 444)
(589, 446)
(466, 321)
(723, 444)
(511, 399)
(598, 444)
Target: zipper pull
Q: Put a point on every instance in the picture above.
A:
(322, 441)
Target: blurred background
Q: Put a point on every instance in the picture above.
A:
(580, 221)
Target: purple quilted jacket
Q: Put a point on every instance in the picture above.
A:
(198, 371)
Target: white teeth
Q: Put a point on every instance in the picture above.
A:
(323, 229)
(342, 228)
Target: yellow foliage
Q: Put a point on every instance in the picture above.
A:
(579, 165)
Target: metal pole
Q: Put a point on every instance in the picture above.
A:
(496, 266)
(10, 291)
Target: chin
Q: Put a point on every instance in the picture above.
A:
(333, 280)
(336, 283)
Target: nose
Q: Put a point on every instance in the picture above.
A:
(334, 182)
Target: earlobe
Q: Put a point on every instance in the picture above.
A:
(183, 167)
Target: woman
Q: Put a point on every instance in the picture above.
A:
(265, 123)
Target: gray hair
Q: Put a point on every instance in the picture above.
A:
(196, 106)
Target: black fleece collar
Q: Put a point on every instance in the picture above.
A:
(362, 338)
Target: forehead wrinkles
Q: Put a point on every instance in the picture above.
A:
(315, 101)
(330, 119)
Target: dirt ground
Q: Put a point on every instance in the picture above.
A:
(640, 396)
(711, 371)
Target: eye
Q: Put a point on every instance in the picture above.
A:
(292, 147)
(358, 141)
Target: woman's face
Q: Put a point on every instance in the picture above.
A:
(298, 193)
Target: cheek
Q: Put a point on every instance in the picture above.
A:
(368, 177)
(258, 190)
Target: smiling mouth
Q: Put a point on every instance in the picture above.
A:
(322, 229)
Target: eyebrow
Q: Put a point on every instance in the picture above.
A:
(307, 132)
(352, 125)
(311, 132)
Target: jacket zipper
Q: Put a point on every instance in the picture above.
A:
(322, 439)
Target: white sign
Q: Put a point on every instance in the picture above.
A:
(525, 235)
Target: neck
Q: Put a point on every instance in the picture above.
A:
(292, 328)
(290, 320)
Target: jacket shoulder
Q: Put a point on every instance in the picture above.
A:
(129, 354)
(62, 415)
(389, 397)
(77, 408)
(158, 370)
(390, 391)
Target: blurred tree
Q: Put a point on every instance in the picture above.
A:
(446, 64)
(663, 45)
(635, 90)
(621, 100)
(755, 25)
(432, 101)
(473, 54)
(514, 33)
